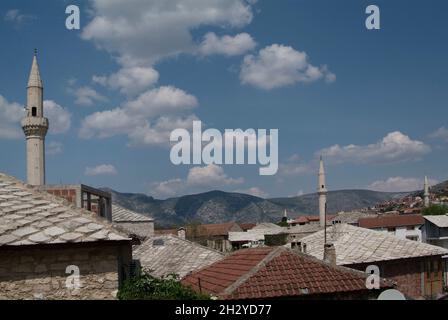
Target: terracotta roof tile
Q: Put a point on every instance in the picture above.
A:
(388, 221)
(274, 272)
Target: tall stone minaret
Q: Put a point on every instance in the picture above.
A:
(322, 191)
(426, 192)
(35, 127)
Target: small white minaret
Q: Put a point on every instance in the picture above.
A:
(322, 191)
(426, 192)
(35, 127)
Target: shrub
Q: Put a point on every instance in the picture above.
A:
(148, 287)
(435, 210)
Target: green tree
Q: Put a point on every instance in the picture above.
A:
(435, 210)
(148, 287)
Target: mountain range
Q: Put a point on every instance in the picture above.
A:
(219, 206)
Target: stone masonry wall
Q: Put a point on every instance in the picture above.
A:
(41, 273)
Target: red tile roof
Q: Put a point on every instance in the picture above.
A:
(217, 229)
(387, 221)
(274, 272)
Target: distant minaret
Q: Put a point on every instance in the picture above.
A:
(322, 191)
(285, 216)
(35, 127)
(426, 192)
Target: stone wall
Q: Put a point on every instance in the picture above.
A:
(40, 273)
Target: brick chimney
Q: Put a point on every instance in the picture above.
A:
(330, 254)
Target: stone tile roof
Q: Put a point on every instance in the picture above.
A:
(306, 228)
(31, 217)
(352, 217)
(120, 214)
(267, 226)
(440, 221)
(258, 234)
(170, 254)
(359, 245)
(390, 221)
(273, 272)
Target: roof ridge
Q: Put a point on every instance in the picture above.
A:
(268, 258)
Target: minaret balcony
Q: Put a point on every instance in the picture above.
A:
(35, 126)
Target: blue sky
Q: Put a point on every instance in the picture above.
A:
(373, 102)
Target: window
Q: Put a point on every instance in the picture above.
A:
(34, 111)
(391, 229)
(410, 228)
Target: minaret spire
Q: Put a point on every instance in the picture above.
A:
(35, 127)
(322, 192)
(34, 79)
(426, 192)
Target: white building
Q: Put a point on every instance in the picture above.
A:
(406, 226)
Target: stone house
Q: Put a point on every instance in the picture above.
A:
(215, 236)
(49, 249)
(419, 269)
(132, 223)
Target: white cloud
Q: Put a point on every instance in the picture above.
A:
(394, 147)
(102, 169)
(295, 166)
(10, 115)
(54, 148)
(210, 175)
(162, 101)
(107, 123)
(130, 80)
(254, 191)
(157, 133)
(87, 96)
(147, 120)
(198, 179)
(140, 32)
(226, 45)
(58, 117)
(16, 17)
(399, 184)
(278, 66)
(441, 133)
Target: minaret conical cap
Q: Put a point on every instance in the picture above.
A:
(34, 79)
